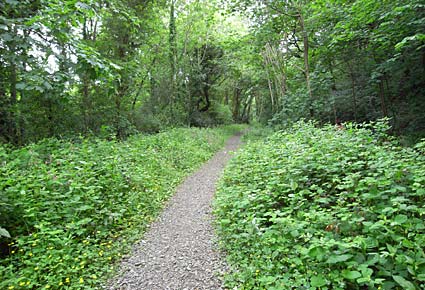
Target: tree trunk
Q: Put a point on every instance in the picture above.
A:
(13, 122)
(206, 92)
(306, 61)
(85, 104)
(353, 90)
(271, 93)
(246, 109)
(236, 104)
(118, 127)
(382, 98)
(226, 97)
(173, 56)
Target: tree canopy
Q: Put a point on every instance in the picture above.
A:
(112, 68)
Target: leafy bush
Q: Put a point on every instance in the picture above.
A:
(218, 114)
(221, 113)
(257, 132)
(324, 208)
(147, 121)
(72, 209)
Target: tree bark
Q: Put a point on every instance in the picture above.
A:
(172, 56)
(353, 90)
(382, 98)
(13, 122)
(236, 104)
(306, 61)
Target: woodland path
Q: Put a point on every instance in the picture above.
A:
(178, 251)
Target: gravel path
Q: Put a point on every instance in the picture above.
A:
(178, 251)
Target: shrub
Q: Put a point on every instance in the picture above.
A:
(324, 208)
(72, 209)
(221, 113)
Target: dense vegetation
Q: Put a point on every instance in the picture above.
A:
(102, 67)
(108, 70)
(72, 209)
(112, 67)
(328, 208)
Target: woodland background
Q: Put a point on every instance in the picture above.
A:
(113, 68)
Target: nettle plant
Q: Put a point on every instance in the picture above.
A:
(325, 208)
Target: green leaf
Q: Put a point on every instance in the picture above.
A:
(21, 86)
(407, 285)
(84, 221)
(4, 233)
(12, 2)
(318, 281)
(316, 252)
(338, 258)
(351, 275)
(400, 219)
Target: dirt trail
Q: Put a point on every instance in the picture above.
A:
(178, 250)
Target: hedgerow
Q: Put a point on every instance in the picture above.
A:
(73, 209)
(324, 208)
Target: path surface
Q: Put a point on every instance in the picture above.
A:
(178, 251)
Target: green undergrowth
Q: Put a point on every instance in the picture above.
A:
(257, 132)
(324, 208)
(73, 209)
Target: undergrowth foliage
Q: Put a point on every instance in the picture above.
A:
(324, 208)
(72, 209)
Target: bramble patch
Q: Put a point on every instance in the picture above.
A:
(312, 208)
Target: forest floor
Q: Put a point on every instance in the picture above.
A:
(179, 250)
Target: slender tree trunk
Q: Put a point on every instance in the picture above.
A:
(86, 102)
(276, 74)
(249, 112)
(353, 90)
(269, 81)
(258, 106)
(306, 61)
(206, 92)
(271, 93)
(50, 117)
(13, 122)
(173, 56)
(382, 98)
(119, 128)
(246, 108)
(13, 100)
(333, 93)
(236, 104)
